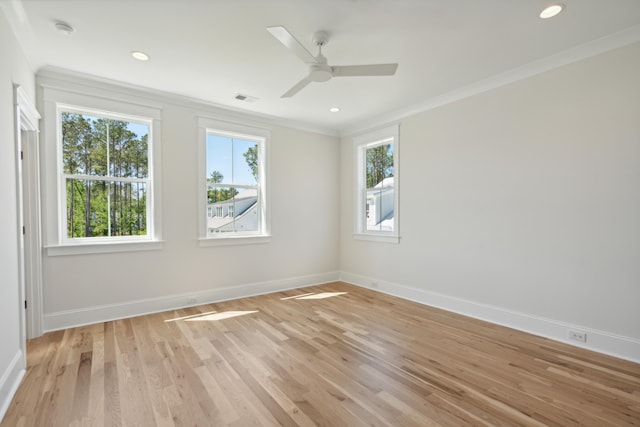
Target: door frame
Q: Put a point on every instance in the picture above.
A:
(28, 183)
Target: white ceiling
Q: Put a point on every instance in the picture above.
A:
(214, 49)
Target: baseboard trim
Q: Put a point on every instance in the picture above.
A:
(10, 380)
(599, 341)
(96, 314)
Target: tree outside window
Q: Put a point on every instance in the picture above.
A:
(105, 168)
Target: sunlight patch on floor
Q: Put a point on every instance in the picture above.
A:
(211, 315)
(189, 317)
(321, 295)
(295, 296)
(220, 316)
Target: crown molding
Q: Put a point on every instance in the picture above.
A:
(596, 47)
(59, 78)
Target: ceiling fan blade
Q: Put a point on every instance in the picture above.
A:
(296, 88)
(290, 42)
(364, 70)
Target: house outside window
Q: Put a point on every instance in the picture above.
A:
(377, 185)
(234, 177)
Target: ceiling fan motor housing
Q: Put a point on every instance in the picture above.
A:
(319, 72)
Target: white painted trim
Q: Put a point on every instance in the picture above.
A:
(28, 120)
(578, 53)
(252, 132)
(360, 144)
(53, 77)
(95, 100)
(72, 318)
(104, 247)
(380, 238)
(207, 242)
(10, 381)
(599, 341)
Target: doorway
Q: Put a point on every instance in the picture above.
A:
(30, 240)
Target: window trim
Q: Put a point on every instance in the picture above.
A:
(236, 130)
(361, 143)
(57, 99)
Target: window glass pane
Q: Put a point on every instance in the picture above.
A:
(380, 209)
(87, 208)
(245, 162)
(379, 165)
(234, 211)
(231, 161)
(115, 154)
(379, 174)
(84, 145)
(86, 152)
(233, 179)
(219, 155)
(217, 194)
(127, 150)
(102, 208)
(128, 209)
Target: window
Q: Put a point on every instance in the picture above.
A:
(100, 171)
(377, 181)
(234, 177)
(105, 175)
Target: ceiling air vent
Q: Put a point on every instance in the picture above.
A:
(245, 98)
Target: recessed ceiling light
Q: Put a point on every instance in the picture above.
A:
(334, 109)
(140, 56)
(551, 11)
(64, 28)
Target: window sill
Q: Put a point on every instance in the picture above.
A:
(205, 242)
(103, 247)
(381, 238)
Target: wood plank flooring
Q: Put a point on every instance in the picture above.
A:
(331, 355)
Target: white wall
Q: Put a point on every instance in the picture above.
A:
(14, 69)
(521, 205)
(303, 175)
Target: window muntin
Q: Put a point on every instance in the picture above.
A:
(105, 175)
(376, 181)
(234, 181)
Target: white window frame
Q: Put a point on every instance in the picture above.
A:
(57, 100)
(386, 135)
(248, 132)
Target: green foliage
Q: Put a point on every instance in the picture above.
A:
(104, 149)
(251, 156)
(217, 193)
(220, 194)
(379, 164)
(216, 177)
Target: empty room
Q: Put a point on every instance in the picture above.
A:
(319, 213)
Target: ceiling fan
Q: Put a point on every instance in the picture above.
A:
(319, 70)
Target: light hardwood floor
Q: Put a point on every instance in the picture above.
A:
(352, 358)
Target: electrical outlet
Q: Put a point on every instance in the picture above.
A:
(192, 300)
(578, 336)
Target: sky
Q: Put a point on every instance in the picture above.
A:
(139, 129)
(225, 155)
